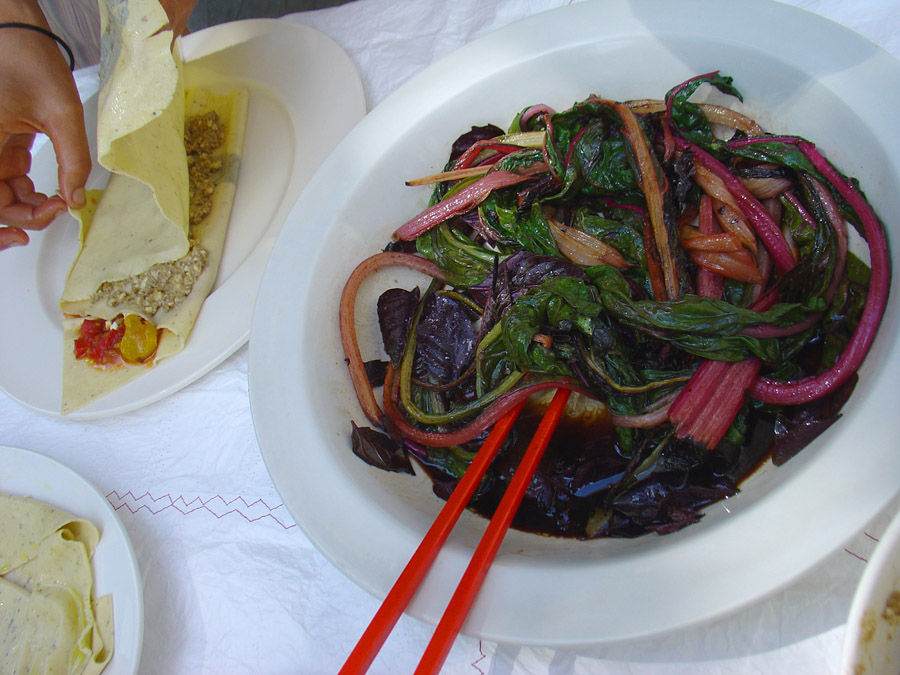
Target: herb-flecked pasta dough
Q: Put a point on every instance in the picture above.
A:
(51, 621)
(141, 220)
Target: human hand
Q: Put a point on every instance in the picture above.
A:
(37, 95)
(179, 11)
(21, 208)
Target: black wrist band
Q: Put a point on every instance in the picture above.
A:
(49, 34)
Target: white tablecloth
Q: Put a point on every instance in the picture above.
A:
(231, 585)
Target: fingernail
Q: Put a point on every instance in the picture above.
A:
(78, 197)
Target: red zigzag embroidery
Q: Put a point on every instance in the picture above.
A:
(197, 504)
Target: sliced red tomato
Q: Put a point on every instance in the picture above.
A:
(98, 341)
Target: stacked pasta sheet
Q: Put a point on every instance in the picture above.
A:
(51, 621)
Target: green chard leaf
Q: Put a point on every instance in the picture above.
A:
(555, 305)
(702, 326)
(587, 153)
(518, 231)
(465, 262)
(688, 118)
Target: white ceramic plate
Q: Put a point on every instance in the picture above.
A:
(305, 95)
(29, 474)
(872, 640)
(543, 590)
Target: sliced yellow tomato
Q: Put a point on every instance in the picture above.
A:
(139, 341)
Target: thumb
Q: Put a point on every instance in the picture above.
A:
(73, 155)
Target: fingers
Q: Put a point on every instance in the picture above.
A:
(74, 165)
(12, 236)
(46, 212)
(20, 205)
(23, 208)
(14, 160)
(25, 217)
(23, 191)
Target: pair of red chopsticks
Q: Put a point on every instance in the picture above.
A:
(409, 580)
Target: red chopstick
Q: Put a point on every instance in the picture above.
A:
(475, 573)
(408, 582)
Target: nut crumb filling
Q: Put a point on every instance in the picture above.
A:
(161, 287)
(203, 135)
(164, 285)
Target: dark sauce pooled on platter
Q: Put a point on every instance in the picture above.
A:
(587, 487)
(582, 461)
